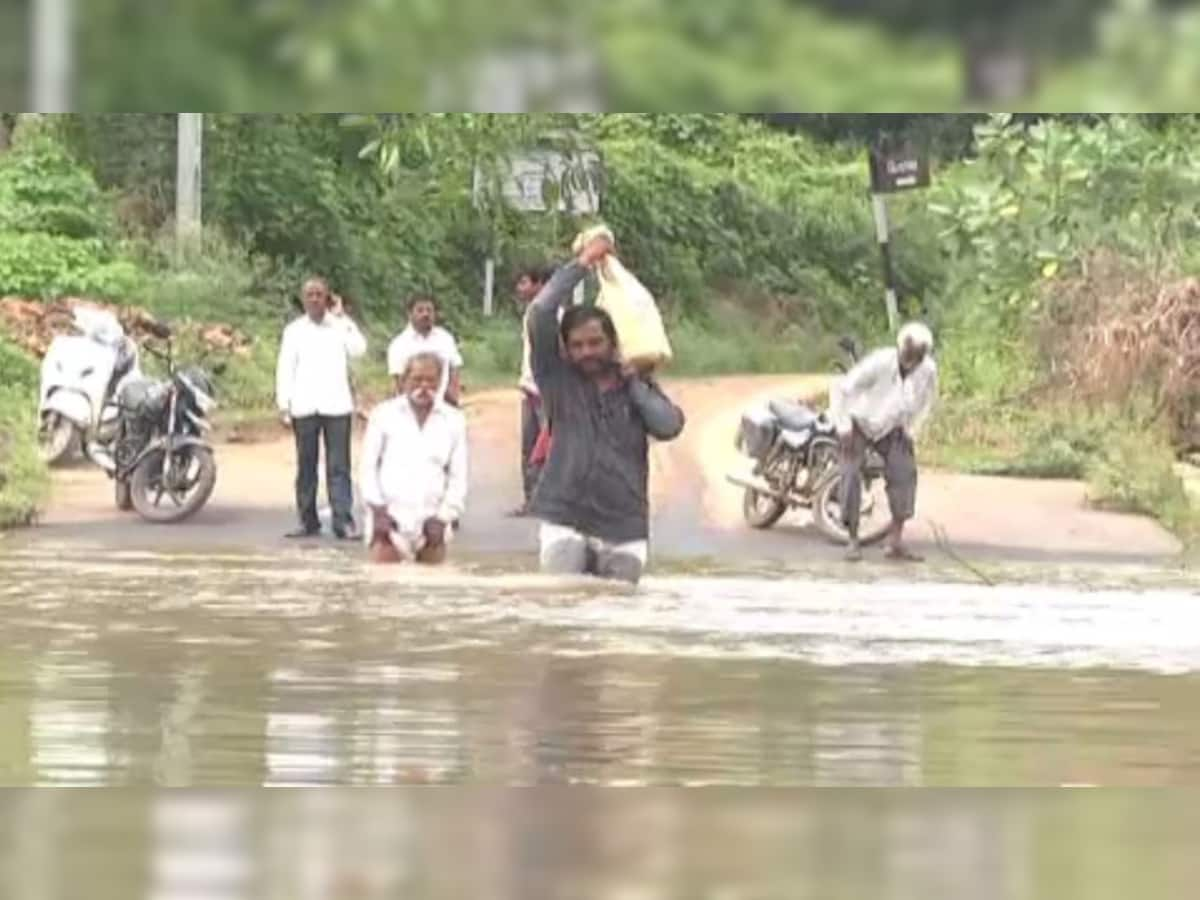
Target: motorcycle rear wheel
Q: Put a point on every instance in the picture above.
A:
(154, 502)
(827, 512)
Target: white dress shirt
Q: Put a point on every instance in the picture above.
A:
(312, 377)
(874, 396)
(439, 342)
(417, 472)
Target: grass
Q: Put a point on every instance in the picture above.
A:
(24, 480)
(1128, 467)
(1136, 474)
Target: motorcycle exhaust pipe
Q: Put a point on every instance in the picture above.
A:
(757, 484)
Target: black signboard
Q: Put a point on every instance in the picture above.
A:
(898, 168)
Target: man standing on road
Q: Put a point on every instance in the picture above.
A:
(312, 392)
(414, 468)
(424, 335)
(592, 498)
(883, 403)
(530, 281)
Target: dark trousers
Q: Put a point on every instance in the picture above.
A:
(531, 426)
(899, 473)
(309, 432)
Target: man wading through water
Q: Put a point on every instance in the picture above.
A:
(414, 467)
(882, 403)
(592, 498)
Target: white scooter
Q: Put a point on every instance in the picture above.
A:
(75, 405)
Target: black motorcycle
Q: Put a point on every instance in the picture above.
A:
(795, 453)
(163, 466)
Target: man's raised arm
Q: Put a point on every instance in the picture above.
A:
(544, 355)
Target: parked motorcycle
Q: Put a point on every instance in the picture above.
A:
(80, 374)
(160, 461)
(795, 453)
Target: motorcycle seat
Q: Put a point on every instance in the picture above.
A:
(793, 416)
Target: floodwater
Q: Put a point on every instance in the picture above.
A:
(136, 669)
(244, 670)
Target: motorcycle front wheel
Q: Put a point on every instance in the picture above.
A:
(180, 492)
(56, 438)
(875, 517)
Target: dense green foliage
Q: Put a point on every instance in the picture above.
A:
(1021, 226)
(56, 229)
(703, 206)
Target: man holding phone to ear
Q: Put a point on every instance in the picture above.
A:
(314, 398)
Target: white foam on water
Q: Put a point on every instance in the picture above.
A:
(822, 622)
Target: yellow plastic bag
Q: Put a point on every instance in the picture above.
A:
(639, 325)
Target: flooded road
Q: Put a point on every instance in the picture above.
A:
(209, 670)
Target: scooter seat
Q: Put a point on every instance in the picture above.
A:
(793, 416)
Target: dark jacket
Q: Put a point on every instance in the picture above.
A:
(596, 479)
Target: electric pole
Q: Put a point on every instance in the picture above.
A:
(188, 167)
(50, 44)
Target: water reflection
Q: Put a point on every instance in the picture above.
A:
(177, 672)
(200, 848)
(70, 722)
(584, 844)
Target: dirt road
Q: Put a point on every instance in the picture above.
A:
(697, 514)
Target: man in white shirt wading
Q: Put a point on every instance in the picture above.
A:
(530, 280)
(312, 391)
(414, 468)
(883, 402)
(424, 335)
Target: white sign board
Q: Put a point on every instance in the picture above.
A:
(541, 174)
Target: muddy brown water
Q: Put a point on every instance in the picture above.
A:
(239, 669)
(206, 669)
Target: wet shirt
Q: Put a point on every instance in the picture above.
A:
(596, 478)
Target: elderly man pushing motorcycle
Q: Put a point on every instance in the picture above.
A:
(882, 403)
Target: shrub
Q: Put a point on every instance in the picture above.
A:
(43, 189)
(23, 477)
(1136, 474)
(36, 264)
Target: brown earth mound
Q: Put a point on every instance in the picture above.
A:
(32, 325)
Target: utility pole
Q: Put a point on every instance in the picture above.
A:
(879, 206)
(893, 168)
(188, 167)
(50, 43)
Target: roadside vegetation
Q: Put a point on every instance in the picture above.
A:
(23, 478)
